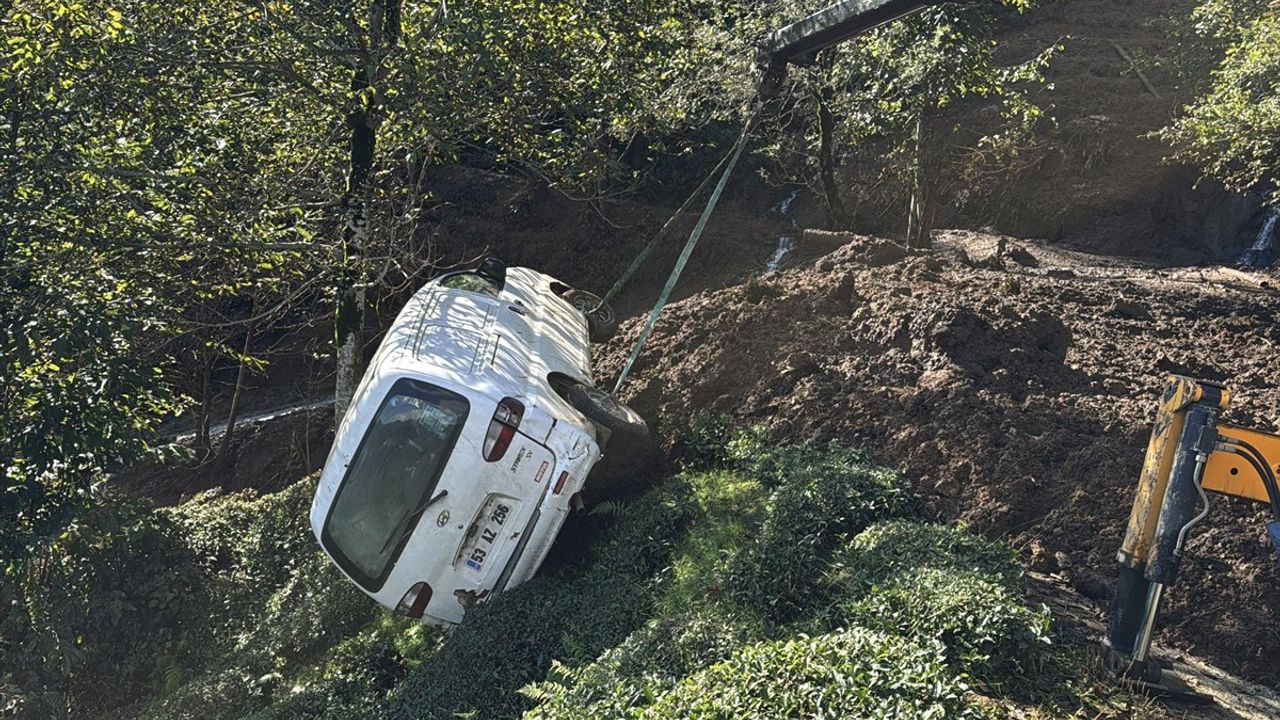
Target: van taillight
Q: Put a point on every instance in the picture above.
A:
(564, 478)
(502, 428)
(414, 602)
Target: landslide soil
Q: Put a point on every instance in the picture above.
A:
(1016, 392)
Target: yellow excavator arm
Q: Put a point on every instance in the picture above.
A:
(1229, 473)
(1190, 454)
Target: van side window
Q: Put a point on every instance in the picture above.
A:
(470, 282)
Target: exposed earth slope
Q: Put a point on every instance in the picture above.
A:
(1016, 393)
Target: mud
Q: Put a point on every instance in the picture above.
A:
(1015, 389)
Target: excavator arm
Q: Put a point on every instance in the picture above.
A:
(1189, 455)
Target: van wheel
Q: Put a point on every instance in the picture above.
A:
(602, 324)
(604, 410)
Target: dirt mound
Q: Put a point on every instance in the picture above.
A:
(1016, 393)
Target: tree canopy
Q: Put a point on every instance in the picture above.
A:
(1231, 130)
(180, 177)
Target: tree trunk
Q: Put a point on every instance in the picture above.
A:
(920, 214)
(839, 214)
(11, 178)
(224, 454)
(362, 120)
(203, 442)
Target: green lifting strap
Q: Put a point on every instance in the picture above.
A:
(733, 157)
(666, 229)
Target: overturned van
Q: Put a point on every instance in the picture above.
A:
(466, 442)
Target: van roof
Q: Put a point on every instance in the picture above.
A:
(442, 333)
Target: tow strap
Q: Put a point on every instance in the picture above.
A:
(729, 162)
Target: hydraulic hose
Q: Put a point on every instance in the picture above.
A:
(1251, 455)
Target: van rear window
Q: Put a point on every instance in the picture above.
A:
(392, 477)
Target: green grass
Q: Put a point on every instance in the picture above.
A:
(761, 581)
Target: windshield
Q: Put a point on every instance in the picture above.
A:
(392, 478)
(471, 282)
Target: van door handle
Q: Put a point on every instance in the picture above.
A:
(516, 310)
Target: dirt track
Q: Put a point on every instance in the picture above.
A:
(1015, 393)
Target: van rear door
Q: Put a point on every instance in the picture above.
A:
(503, 510)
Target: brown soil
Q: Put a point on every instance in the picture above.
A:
(1016, 394)
(266, 455)
(589, 244)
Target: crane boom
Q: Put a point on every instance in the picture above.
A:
(800, 42)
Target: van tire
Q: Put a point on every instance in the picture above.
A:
(602, 323)
(602, 409)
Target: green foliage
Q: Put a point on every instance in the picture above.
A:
(189, 605)
(1231, 131)
(728, 513)
(793, 539)
(111, 594)
(651, 662)
(853, 673)
(137, 202)
(702, 444)
(820, 495)
(934, 582)
(877, 98)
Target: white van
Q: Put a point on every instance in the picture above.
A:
(467, 441)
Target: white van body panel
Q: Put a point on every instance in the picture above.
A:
(484, 349)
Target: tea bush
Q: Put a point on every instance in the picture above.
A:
(854, 673)
(930, 581)
(801, 590)
(820, 495)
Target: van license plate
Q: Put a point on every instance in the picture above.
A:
(486, 538)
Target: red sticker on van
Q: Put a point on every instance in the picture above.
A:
(541, 472)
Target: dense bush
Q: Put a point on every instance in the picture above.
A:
(654, 660)
(1230, 49)
(901, 615)
(935, 582)
(96, 608)
(820, 496)
(855, 673)
(203, 607)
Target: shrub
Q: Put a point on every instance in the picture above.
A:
(271, 605)
(96, 608)
(930, 581)
(887, 549)
(820, 496)
(854, 673)
(703, 444)
(650, 662)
